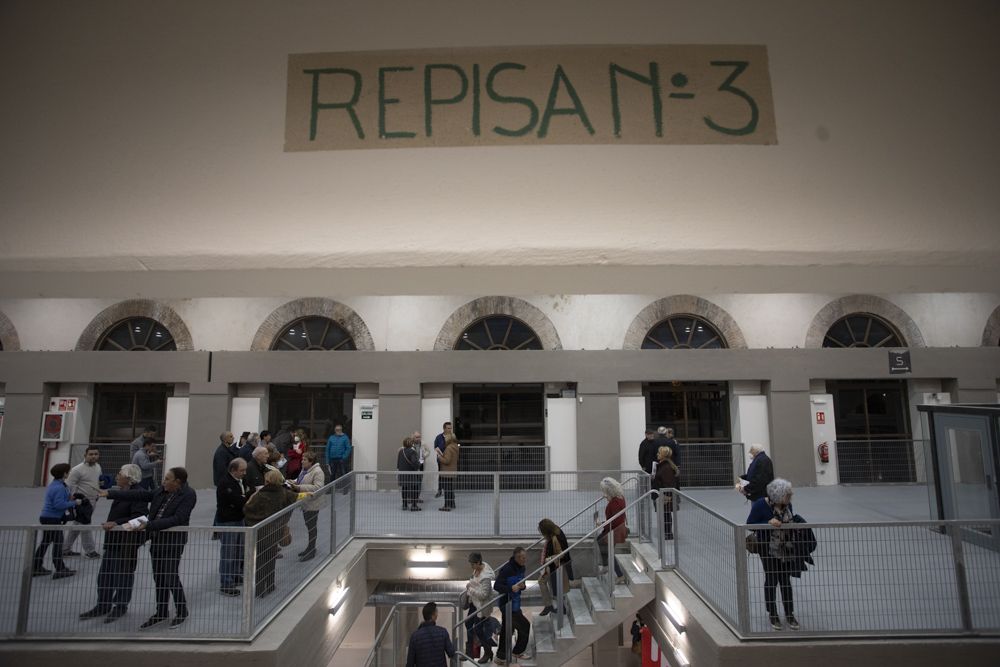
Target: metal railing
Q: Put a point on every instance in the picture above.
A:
(607, 578)
(710, 464)
(393, 654)
(114, 456)
(898, 578)
(886, 461)
(504, 458)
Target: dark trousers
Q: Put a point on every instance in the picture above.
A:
(777, 575)
(230, 555)
(310, 519)
(521, 629)
(339, 468)
(475, 626)
(53, 537)
(166, 562)
(668, 521)
(602, 544)
(116, 576)
(448, 486)
(267, 556)
(410, 488)
(145, 483)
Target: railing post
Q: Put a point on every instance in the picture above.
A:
(333, 523)
(742, 592)
(352, 490)
(560, 603)
(675, 503)
(395, 639)
(662, 542)
(249, 578)
(611, 565)
(509, 630)
(496, 504)
(961, 578)
(24, 599)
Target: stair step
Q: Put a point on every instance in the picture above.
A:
(623, 591)
(632, 573)
(544, 632)
(579, 612)
(597, 598)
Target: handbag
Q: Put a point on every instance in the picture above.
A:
(754, 545)
(286, 536)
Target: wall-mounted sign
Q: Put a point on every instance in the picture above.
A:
(820, 417)
(899, 362)
(367, 411)
(689, 94)
(62, 404)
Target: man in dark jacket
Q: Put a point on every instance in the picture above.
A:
(121, 548)
(665, 438)
(430, 646)
(170, 505)
(224, 453)
(647, 451)
(510, 582)
(758, 475)
(230, 496)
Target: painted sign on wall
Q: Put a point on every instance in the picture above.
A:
(690, 94)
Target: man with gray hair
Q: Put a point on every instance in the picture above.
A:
(230, 496)
(758, 475)
(224, 453)
(121, 548)
(258, 467)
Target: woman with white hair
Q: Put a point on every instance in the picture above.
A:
(121, 547)
(779, 554)
(611, 489)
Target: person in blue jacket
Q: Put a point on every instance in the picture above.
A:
(429, 644)
(338, 452)
(510, 582)
(54, 513)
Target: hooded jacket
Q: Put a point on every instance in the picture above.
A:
(479, 589)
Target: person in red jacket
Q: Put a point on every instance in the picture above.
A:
(612, 491)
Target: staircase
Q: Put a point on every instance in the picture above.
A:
(591, 614)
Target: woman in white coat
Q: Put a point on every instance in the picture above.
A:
(310, 480)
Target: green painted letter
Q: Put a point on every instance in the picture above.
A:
(738, 67)
(550, 106)
(507, 99)
(429, 100)
(384, 101)
(653, 81)
(348, 105)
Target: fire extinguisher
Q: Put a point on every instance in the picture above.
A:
(824, 452)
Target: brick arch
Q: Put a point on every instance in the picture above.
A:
(683, 304)
(863, 303)
(154, 310)
(275, 323)
(991, 332)
(485, 306)
(8, 335)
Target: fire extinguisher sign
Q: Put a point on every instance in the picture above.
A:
(820, 417)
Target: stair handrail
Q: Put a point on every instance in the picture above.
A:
(380, 635)
(528, 577)
(585, 509)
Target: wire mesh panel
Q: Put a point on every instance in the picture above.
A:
(706, 555)
(114, 456)
(980, 546)
(878, 461)
(12, 571)
(715, 464)
(496, 458)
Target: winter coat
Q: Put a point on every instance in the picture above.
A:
(428, 646)
(449, 459)
(313, 481)
(478, 587)
(338, 447)
(759, 474)
(57, 500)
(510, 574)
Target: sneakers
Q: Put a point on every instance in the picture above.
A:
(92, 555)
(776, 622)
(70, 554)
(153, 620)
(62, 574)
(792, 623)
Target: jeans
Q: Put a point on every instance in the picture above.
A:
(230, 555)
(53, 537)
(475, 626)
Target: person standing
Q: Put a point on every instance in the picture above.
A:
(84, 480)
(448, 465)
(430, 646)
(555, 543)
(293, 456)
(230, 496)
(439, 445)
(148, 433)
(647, 451)
(611, 489)
(479, 591)
(55, 512)
(121, 550)
(509, 583)
(267, 501)
(668, 476)
(665, 438)
(169, 505)
(224, 454)
(144, 458)
(422, 454)
(338, 452)
(408, 466)
(759, 474)
(310, 480)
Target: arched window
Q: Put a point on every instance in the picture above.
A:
(137, 334)
(498, 332)
(862, 330)
(683, 332)
(313, 333)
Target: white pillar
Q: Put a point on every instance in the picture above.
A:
(364, 433)
(561, 437)
(433, 413)
(821, 416)
(247, 414)
(175, 433)
(750, 424)
(631, 429)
